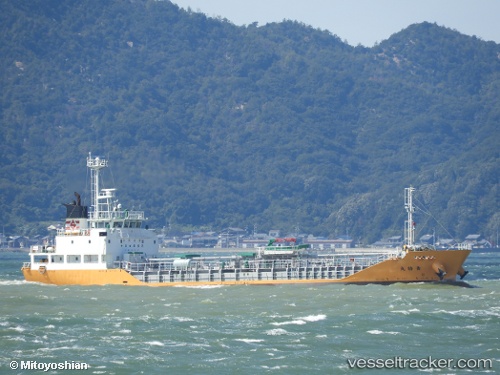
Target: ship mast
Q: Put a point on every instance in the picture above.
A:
(409, 224)
(95, 165)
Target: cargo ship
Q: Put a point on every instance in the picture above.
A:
(108, 244)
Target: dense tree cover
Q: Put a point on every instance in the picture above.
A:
(207, 124)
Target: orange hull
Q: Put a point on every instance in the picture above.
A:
(415, 266)
(81, 277)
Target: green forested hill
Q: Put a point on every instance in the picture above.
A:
(207, 124)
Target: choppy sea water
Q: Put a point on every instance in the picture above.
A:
(288, 329)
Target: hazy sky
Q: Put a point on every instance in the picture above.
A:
(361, 21)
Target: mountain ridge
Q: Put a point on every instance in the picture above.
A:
(278, 126)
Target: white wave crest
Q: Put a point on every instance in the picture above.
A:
(405, 312)
(493, 311)
(378, 332)
(18, 329)
(154, 343)
(295, 322)
(314, 318)
(13, 282)
(302, 320)
(276, 332)
(183, 319)
(250, 341)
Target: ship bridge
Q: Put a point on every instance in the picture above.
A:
(106, 211)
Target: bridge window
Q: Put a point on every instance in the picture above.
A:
(90, 258)
(41, 259)
(57, 259)
(73, 259)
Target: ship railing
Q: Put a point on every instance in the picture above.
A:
(27, 265)
(464, 246)
(132, 266)
(42, 249)
(73, 232)
(218, 263)
(362, 260)
(151, 265)
(118, 215)
(281, 248)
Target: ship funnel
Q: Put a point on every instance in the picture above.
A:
(462, 273)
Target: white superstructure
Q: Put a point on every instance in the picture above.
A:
(95, 240)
